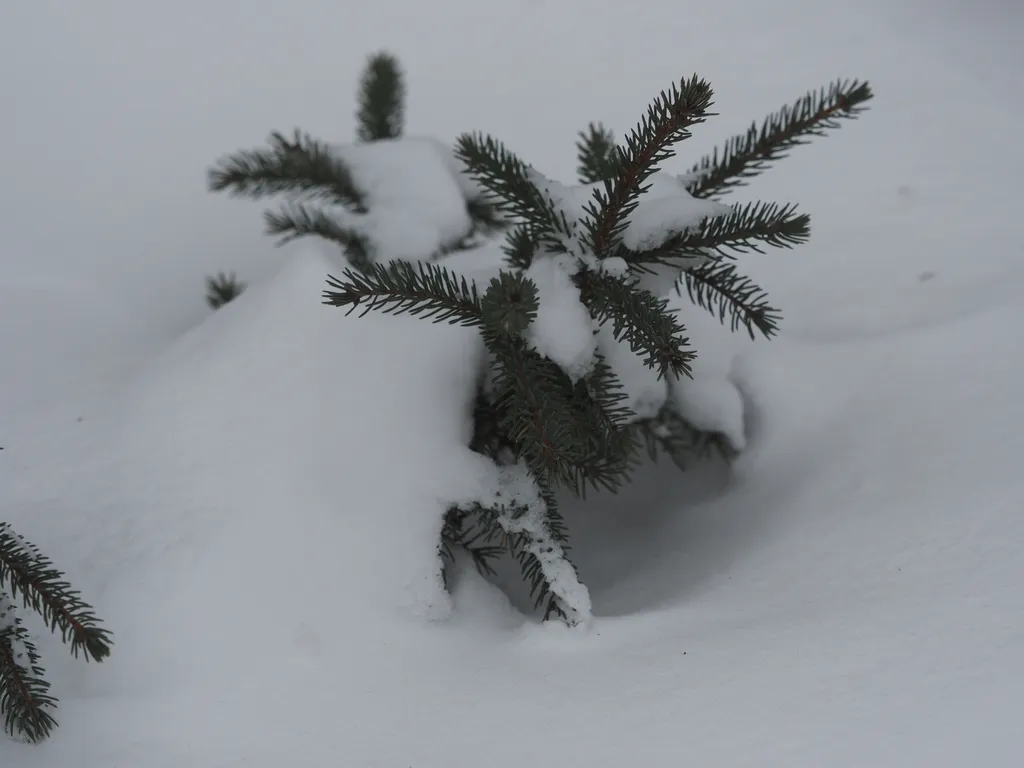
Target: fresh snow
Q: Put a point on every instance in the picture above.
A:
(415, 194)
(563, 329)
(710, 397)
(644, 390)
(666, 209)
(251, 497)
(523, 511)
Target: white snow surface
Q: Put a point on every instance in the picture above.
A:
(415, 194)
(666, 209)
(563, 329)
(250, 499)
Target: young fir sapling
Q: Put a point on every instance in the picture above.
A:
(588, 269)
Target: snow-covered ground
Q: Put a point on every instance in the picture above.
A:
(233, 491)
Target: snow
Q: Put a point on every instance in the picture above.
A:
(415, 194)
(667, 209)
(523, 511)
(251, 504)
(563, 329)
(710, 397)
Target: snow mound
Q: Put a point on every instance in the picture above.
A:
(260, 453)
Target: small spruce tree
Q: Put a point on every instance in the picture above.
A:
(28, 578)
(549, 423)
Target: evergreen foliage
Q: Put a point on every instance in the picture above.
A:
(577, 433)
(751, 153)
(381, 112)
(322, 199)
(25, 700)
(547, 424)
(597, 154)
(222, 288)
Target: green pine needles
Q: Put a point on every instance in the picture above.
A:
(381, 112)
(29, 581)
(570, 431)
(588, 272)
(321, 196)
(222, 288)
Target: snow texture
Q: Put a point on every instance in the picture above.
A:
(664, 210)
(524, 511)
(667, 209)
(710, 399)
(563, 329)
(415, 194)
(646, 392)
(251, 499)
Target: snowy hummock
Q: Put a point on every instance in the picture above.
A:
(415, 194)
(261, 447)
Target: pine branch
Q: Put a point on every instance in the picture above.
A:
(607, 398)
(423, 289)
(722, 291)
(597, 154)
(600, 403)
(747, 228)
(531, 393)
(301, 166)
(222, 288)
(381, 113)
(463, 528)
(669, 433)
(295, 220)
(666, 123)
(534, 533)
(542, 589)
(509, 305)
(489, 439)
(641, 319)
(751, 153)
(25, 570)
(24, 692)
(542, 417)
(512, 191)
(520, 247)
